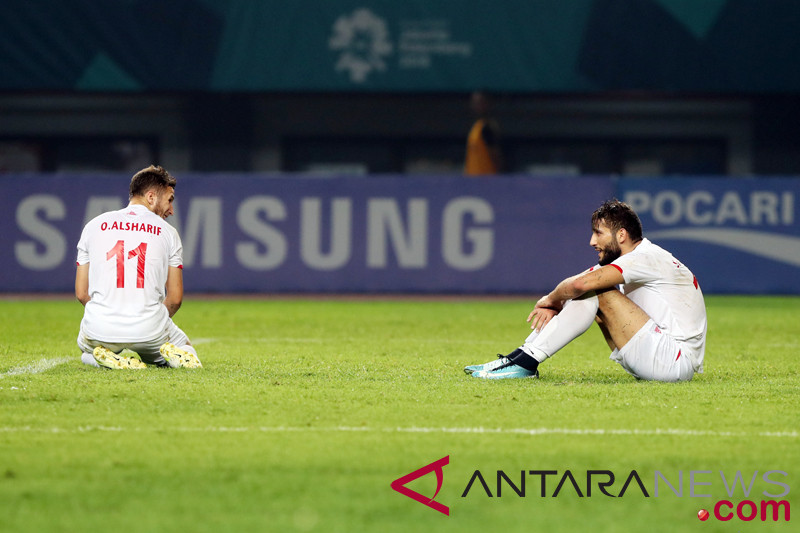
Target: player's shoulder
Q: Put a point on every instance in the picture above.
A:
(649, 248)
(166, 228)
(171, 230)
(655, 250)
(645, 254)
(658, 258)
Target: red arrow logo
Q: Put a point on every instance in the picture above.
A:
(399, 484)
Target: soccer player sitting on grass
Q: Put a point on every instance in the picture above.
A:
(655, 324)
(130, 281)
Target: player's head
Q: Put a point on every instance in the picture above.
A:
(618, 215)
(614, 225)
(152, 177)
(155, 187)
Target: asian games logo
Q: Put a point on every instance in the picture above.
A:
(363, 40)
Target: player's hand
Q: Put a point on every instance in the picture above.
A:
(543, 312)
(540, 316)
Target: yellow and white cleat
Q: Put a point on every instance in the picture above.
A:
(177, 358)
(108, 359)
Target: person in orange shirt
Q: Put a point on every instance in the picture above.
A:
(483, 143)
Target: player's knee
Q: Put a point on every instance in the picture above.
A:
(611, 299)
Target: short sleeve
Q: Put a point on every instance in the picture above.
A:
(83, 247)
(636, 268)
(176, 250)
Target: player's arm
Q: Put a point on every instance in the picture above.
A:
(82, 284)
(174, 297)
(597, 279)
(591, 280)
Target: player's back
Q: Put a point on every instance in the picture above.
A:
(129, 253)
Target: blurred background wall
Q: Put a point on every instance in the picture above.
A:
(624, 87)
(687, 109)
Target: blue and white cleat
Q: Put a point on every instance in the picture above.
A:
(501, 360)
(506, 371)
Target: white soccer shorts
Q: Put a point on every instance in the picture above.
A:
(147, 350)
(653, 355)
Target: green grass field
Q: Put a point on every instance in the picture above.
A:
(307, 410)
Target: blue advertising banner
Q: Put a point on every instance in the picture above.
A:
(435, 234)
(736, 235)
(259, 233)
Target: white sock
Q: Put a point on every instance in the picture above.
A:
(88, 359)
(189, 348)
(573, 320)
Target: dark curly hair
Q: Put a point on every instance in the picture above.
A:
(618, 215)
(147, 178)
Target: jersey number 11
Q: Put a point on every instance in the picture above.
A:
(118, 251)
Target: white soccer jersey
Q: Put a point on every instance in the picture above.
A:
(129, 254)
(669, 293)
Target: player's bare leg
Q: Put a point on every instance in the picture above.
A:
(634, 347)
(619, 318)
(606, 334)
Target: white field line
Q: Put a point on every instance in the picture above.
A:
(318, 340)
(203, 340)
(35, 368)
(257, 340)
(675, 432)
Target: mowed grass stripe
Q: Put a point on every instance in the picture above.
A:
(680, 432)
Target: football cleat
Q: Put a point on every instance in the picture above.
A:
(108, 359)
(491, 365)
(506, 371)
(501, 360)
(177, 358)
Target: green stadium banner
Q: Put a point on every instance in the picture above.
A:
(552, 46)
